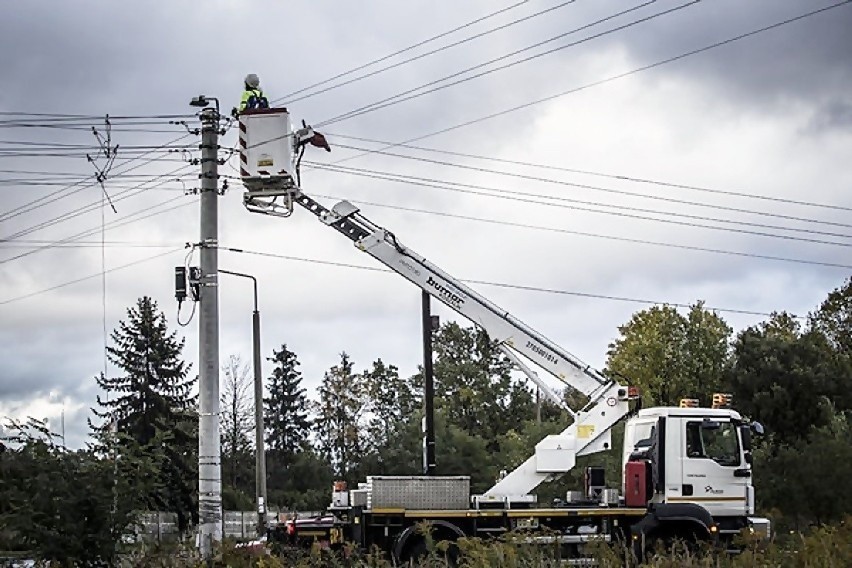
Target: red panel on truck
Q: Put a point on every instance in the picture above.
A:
(636, 484)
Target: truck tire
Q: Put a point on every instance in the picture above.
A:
(411, 545)
(668, 524)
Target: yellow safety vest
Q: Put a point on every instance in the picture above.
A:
(253, 98)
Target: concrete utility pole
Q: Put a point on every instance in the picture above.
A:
(259, 449)
(209, 465)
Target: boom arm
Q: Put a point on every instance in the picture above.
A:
(500, 325)
(267, 163)
(590, 431)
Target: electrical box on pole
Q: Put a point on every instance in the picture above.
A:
(180, 284)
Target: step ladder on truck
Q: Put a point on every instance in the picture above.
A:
(686, 470)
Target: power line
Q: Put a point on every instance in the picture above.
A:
(89, 277)
(613, 77)
(86, 128)
(89, 117)
(620, 177)
(614, 191)
(89, 245)
(413, 94)
(51, 197)
(497, 284)
(401, 51)
(120, 196)
(434, 51)
(524, 197)
(594, 235)
(114, 224)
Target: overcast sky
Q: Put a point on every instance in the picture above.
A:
(762, 122)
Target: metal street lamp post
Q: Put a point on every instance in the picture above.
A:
(260, 452)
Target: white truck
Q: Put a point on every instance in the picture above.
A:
(686, 470)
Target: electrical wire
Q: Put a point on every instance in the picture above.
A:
(133, 191)
(413, 94)
(561, 202)
(497, 284)
(620, 177)
(121, 222)
(103, 280)
(62, 193)
(615, 191)
(404, 50)
(89, 277)
(434, 51)
(83, 245)
(88, 117)
(612, 78)
(588, 234)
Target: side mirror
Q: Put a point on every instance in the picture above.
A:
(745, 434)
(757, 428)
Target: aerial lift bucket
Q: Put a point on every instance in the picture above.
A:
(266, 161)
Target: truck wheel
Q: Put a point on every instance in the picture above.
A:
(415, 552)
(671, 541)
(418, 550)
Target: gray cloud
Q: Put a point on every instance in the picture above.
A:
(730, 118)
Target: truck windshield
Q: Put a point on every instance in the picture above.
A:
(719, 444)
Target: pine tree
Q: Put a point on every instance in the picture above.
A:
(286, 408)
(151, 403)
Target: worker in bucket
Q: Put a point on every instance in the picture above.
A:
(253, 96)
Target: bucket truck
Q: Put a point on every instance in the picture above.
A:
(686, 470)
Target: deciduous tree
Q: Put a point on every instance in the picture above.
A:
(237, 423)
(670, 356)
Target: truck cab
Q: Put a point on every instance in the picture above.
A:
(699, 457)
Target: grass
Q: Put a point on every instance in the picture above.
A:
(826, 547)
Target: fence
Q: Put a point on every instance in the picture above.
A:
(241, 525)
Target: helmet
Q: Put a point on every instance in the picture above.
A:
(252, 81)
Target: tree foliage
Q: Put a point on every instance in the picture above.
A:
(390, 401)
(286, 408)
(293, 469)
(151, 404)
(339, 430)
(237, 424)
(785, 378)
(474, 386)
(70, 507)
(794, 378)
(671, 356)
(834, 319)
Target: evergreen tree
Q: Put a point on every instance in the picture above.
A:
(151, 403)
(286, 408)
(292, 468)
